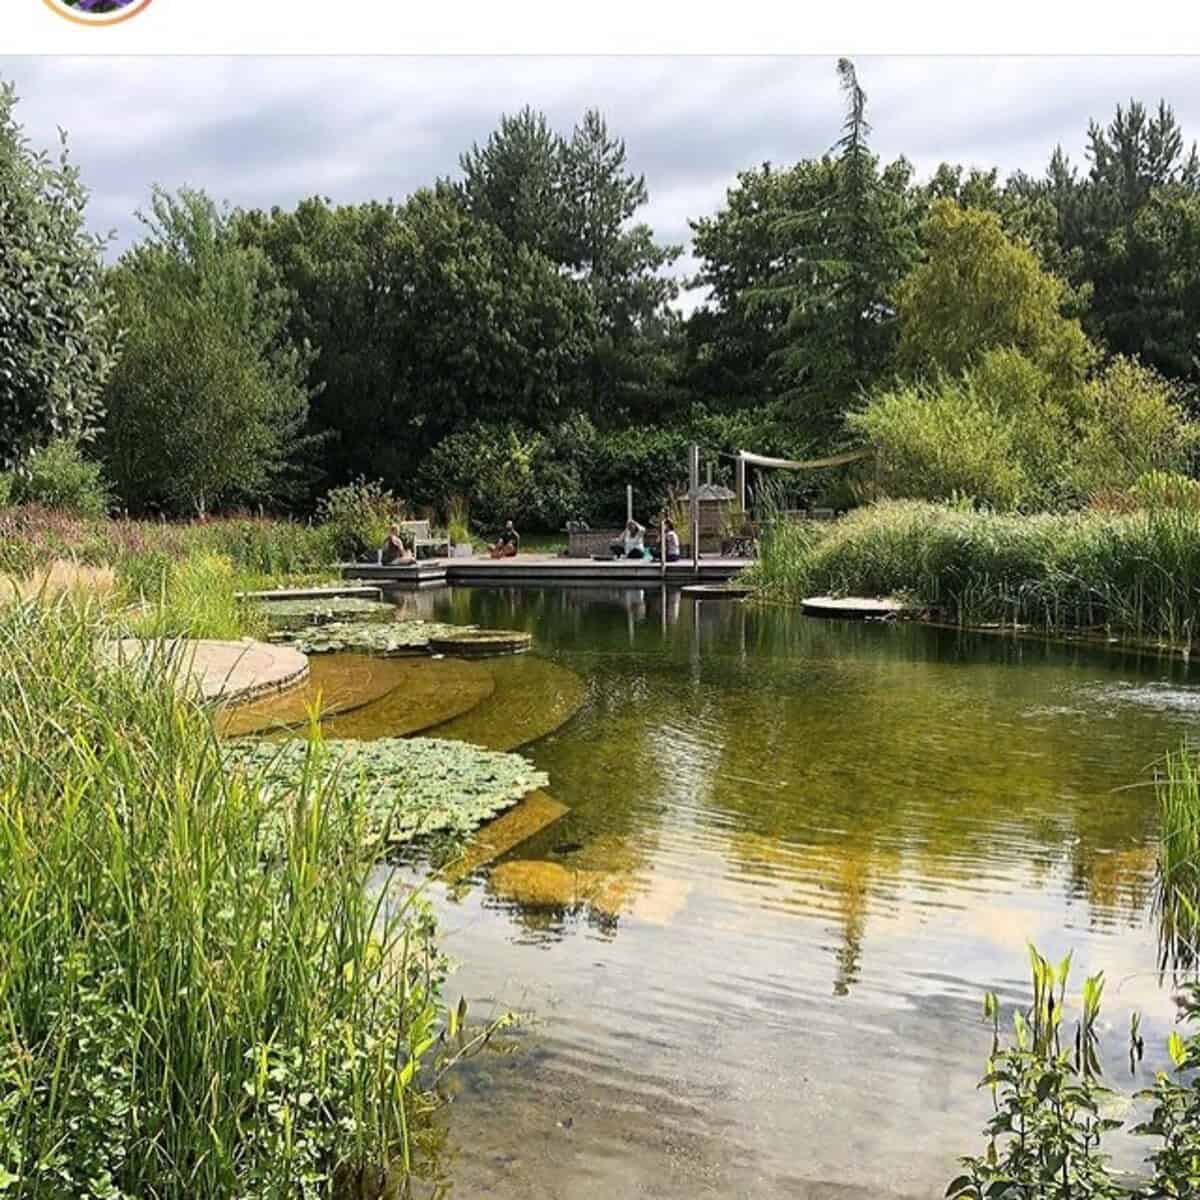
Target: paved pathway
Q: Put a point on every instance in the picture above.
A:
(228, 671)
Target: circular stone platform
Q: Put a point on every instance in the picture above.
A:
(232, 672)
(481, 643)
(858, 608)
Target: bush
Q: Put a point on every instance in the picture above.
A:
(357, 517)
(58, 476)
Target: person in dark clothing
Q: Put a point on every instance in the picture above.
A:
(507, 545)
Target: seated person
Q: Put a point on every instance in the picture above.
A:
(395, 552)
(670, 543)
(631, 543)
(508, 543)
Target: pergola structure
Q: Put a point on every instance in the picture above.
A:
(746, 459)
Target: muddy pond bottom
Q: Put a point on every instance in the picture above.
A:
(780, 862)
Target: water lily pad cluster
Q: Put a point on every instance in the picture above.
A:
(409, 787)
(371, 637)
(323, 610)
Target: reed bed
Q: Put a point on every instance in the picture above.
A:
(193, 1006)
(1134, 575)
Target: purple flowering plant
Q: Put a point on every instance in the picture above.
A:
(97, 6)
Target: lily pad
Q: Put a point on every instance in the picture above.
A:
(322, 610)
(481, 643)
(371, 637)
(409, 787)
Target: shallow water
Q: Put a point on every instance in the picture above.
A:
(796, 854)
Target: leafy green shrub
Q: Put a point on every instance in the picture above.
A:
(58, 476)
(356, 517)
(1133, 425)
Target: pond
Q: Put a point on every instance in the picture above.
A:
(795, 853)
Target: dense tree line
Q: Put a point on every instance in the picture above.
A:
(511, 335)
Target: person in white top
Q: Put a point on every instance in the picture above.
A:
(631, 543)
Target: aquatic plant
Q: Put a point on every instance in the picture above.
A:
(197, 598)
(371, 637)
(1051, 1112)
(1134, 575)
(197, 998)
(1177, 903)
(322, 610)
(1047, 1124)
(405, 788)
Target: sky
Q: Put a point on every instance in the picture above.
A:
(264, 131)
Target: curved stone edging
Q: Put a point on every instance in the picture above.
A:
(232, 672)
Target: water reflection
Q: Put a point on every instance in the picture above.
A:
(785, 839)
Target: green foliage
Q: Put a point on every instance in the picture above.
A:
(1132, 425)
(358, 516)
(1166, 489)
(1048, 1121)
(208, 402)
(979, 290)
(833, 268)
(371, 637)
(58, 476)
(405, 788)
(196, 597)
(199, 998)
(458, 521)
(57, 335)
(1135, 575)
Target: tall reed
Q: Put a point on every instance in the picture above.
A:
(1129, 574)
(198, 1000)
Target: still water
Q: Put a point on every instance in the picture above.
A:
(795, 853)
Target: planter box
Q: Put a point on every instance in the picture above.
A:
(462, 550)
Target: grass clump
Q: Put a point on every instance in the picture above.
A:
(199, 1000)
(1134, 574)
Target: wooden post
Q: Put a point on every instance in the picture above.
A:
(662, 550)
(628, 503)
(740, 485)
(694, 497)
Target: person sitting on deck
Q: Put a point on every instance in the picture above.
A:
(508, 543)
(631, 543)
(670, 543)
(395, 553)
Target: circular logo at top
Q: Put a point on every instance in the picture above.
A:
(97, 12)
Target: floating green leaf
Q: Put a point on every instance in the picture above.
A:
(410, 787)
(370, 637)
(321, 610)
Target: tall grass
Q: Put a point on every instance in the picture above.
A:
(1178, 901)
(197, 597)
(198, 1000)
(1129, 574)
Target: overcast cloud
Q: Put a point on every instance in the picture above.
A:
(264, 131)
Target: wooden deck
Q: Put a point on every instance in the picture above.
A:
(542, 568)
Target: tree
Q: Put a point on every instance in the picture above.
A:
(208, 402)
(978, 290)
(847, 256)
(621, 266)
(1123, 233)
(425, 317)
(57, 337)
(515, 182)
